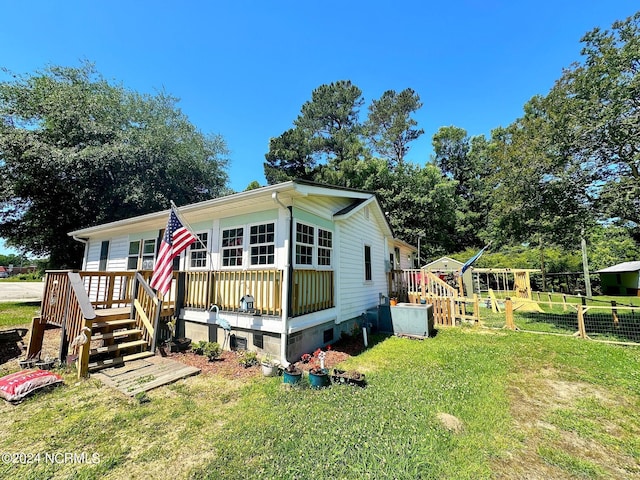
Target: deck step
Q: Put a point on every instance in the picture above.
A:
(117, 346)
(120, 323)
(118, 313)
(112, 362)
(117, 333)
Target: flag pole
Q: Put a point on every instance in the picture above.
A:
(186, 224)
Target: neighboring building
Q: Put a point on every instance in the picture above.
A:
(621, 279)
(311, 257)
(446, 266)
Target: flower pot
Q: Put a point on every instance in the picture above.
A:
(180, 344)
(348, 378)
(269, 370)
(292, 377)
(319, 380)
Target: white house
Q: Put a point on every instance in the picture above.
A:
(311, 257)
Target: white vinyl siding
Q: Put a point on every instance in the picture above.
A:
(356, 294)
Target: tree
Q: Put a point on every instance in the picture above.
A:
(252, 185)
(389, 125)
(420, 202)
(326, 137)
(289, 157)
(599, 98)
(76, 151)
(330, 119)
(467, 161)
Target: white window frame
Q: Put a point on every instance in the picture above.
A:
(243, 256)
(306, 245)
(142, 242)
(250, 245)
(320, 247)
(198, 248)
(315, 247)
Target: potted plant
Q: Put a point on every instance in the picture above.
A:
(292, 374)
(269, 367)
(318, 374)
(348, 378)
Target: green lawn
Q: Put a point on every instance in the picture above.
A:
(17, 313)
(530, 405)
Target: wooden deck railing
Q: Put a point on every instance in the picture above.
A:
(419, 282)
(66, 304)
(146, 310)
(115, 289)
(312, 290)
(226, 288)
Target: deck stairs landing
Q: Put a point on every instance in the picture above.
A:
(115, 339)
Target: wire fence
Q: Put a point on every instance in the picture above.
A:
(606, 321)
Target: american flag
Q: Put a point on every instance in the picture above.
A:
(176, 239)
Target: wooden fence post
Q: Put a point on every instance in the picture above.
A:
(581, 310)
(614, 314)
(508, 310)
(476, 308)
(83, 353)
(564, 302)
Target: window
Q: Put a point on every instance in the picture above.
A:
(325, 244)
(304, 244)
(104, 254)
(134, 254)
(142, 254)
(232, 239)
(262, 244)
(367, 263)
(148, 254)
(198, 251)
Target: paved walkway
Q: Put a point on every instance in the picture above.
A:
(21, 291)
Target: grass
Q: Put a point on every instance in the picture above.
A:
(17, 313)
(530, 405)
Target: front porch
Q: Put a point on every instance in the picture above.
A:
(119, 315)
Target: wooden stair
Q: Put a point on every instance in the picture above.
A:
(115, 340)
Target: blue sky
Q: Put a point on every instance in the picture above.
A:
(243, 69)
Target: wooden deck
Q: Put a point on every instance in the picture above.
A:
(144, 375)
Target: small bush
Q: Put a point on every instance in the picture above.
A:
(213, 350)
(247, 359)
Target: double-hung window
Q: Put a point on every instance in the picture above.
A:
(262, 244)
(232, 241)
(305, 241)
(325, 245)
(142, 254)
(198, 251)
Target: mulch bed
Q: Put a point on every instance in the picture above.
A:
(12, 341)
(228, 366)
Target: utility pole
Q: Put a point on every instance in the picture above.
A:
(585, 265)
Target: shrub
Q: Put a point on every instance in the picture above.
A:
(247, 358)
(212, 350)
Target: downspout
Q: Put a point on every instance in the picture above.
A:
(86, 251)
(286, 282)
